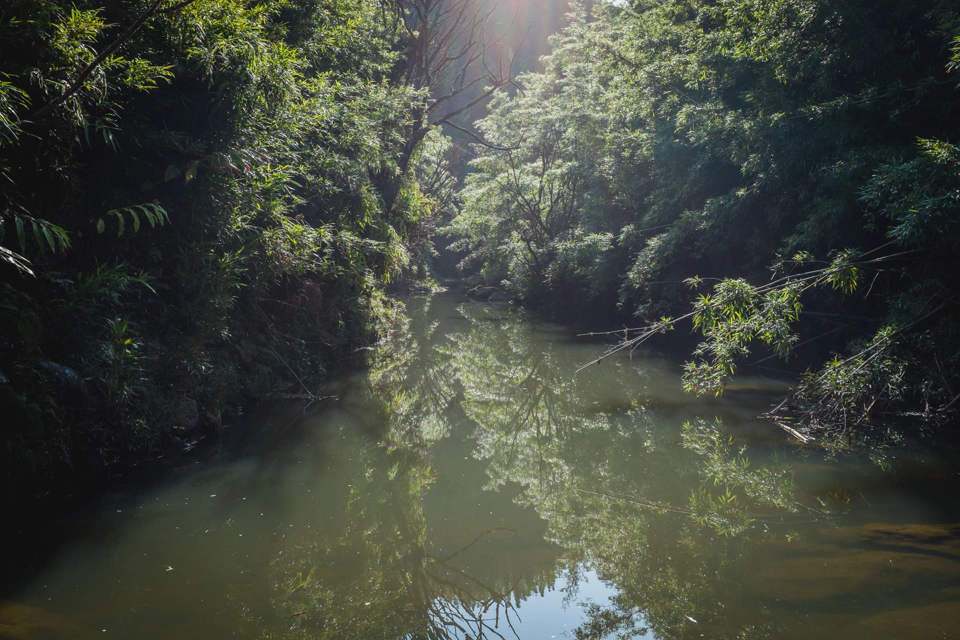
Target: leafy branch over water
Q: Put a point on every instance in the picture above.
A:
(674, 138)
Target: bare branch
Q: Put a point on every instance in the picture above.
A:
(448, 45)
(483, 142)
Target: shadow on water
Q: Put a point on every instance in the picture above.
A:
(469, 484)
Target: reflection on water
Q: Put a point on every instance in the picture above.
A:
(470, 485)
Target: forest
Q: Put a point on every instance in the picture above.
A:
(778, 177)
(205, 202)
(449, 319)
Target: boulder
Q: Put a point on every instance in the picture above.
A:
(66, 383)
(185, 414)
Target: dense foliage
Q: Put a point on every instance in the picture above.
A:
(200, 201)
(715, 138)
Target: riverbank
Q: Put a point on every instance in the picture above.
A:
(211, 217)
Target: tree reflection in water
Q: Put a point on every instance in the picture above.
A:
(666, 515)
(365, 570)
(613, 486)
(413, 378)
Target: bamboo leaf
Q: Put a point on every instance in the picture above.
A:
(21, 235)
(38, 236)
(49, 238)
(19, 262)
(161, 213)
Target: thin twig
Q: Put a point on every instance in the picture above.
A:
(478, 539)
(307, 391)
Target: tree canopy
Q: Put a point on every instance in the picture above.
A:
(699, 144)
(203, 201)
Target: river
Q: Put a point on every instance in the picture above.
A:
(468, 483)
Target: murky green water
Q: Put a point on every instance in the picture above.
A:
(470, 485)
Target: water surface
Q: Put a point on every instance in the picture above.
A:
(469, 484)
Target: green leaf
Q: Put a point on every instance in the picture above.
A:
(172, 172)
(38, 236)
(191, 171)
(101, 225)
(15, 259)
(21, 235)
(49, 237)
(136, 219)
